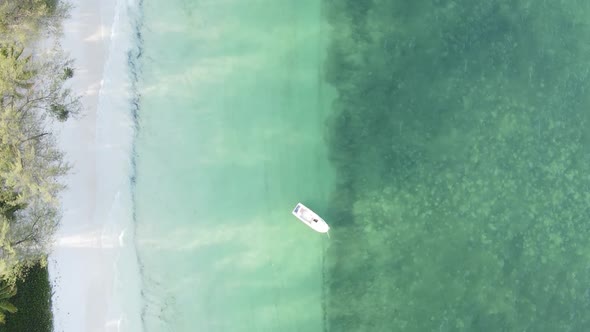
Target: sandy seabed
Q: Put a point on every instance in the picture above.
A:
(93, 264)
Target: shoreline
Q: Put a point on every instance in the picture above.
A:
(92, 243)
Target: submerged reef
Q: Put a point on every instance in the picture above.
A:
(460, 141)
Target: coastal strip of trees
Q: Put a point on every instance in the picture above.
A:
(33, 93)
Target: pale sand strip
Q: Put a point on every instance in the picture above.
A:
(82, 263)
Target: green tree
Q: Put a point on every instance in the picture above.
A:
(30, 167)
(16, 73)
(33, 92)
(6, 292)
(26, 20)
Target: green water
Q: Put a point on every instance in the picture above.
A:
(231, 138)
(444, 141)
(460, 143)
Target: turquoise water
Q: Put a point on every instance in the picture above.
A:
(231, 137)
(444, 141)
(460, 143)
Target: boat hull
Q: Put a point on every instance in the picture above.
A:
(310, 218)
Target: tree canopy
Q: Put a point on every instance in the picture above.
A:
(33, 92)
(27, 20)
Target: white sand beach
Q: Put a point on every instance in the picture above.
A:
(93, 240)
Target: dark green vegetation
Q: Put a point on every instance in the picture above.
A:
(33, 301)
(26, 20)
(460, 137)
(7, 291)
(32, 93)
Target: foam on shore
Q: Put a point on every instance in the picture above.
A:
(94, 263)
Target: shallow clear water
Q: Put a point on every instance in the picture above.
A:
(444, 141)
(460, 143)
(231, 137)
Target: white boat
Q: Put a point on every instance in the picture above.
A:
(310, 218)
